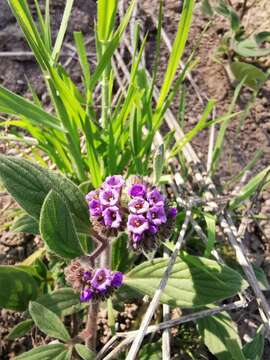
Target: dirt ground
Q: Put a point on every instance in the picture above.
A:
(212, 81)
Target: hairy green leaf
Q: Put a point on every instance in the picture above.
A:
(25, 224)
(62, 302)
(254, 349)
(194, 281)
(216, 332)
(46, 352)
(57, 228)
(48, 322)
(20, 329)
(29, 184)
(84, 352)
(18, 287)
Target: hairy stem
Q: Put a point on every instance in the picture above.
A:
(91, 325)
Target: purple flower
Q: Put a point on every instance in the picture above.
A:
(109, 197)
(92, 195)
(86, 295)
(137, 190)
(172, 212)
(137, 224)
(153, 229)
(95, 208)
(87, 275)
(112, 217)
(117, 279)
(155, 197)
(101, 280)
(114, 182)
(156, 215)
(138, 205)
(136, 238)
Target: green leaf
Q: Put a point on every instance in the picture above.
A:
(62, 302)
(251, 47)
(17, 288)
(211, 232)
(65, 355)
(251, 187)
(151, 352)
(57, 228)
(62, 30)
(105, 18)
(159, 163)
(217, 331)
(177, 50)
(48, 322)
(46, 352)
(207, 8)
(252, 76)
(20, 329)
(84, 352)
(30, 260)
(13, 104)
(254, 349)
(29, 184)
(25, 224)
(194, 281)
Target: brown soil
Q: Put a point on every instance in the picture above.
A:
(213, 82)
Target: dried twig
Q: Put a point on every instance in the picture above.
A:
(156, 298)
(129, 336)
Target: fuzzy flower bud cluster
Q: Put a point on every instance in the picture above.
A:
(133, 206)
(93, 284)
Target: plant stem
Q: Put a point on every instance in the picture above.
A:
(91, 325)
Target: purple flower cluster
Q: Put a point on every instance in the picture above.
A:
(148, 213)
(132, 206)
(92, 284)
(104, 203)
(100, 283)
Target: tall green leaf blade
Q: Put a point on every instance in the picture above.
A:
(48, 322)
(13, 104)
(216, 331)
(105, 18)
(29, 184)
(250, 188)
(46, 352)
(62, 30)
(177, 50)
(57, 228)
(194, 281)
(17, 288)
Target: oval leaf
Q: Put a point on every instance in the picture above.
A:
(62, 302)
(57, 228)
(20, 329)
(25, 224)
(252, 76)
(46, 352)
(193, 282)
(19, 288)
(220, 336)
(29, 184)
(48, 322)
(84, 352)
